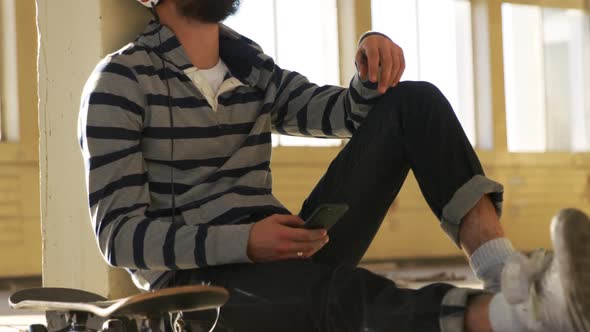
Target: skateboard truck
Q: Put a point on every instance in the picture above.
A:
(71, 310)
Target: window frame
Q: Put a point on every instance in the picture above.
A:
(270, 37)
(490, 98)
(551, 135)
(354, 19)
(488, 29)
(515, 170)
(562, 4)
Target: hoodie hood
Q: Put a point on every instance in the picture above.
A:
(244, 58)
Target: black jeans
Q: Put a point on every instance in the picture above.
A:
(412, 127)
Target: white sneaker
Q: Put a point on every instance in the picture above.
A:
(551, 293)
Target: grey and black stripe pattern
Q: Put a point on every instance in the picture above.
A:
(221, 161)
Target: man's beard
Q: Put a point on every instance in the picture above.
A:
(207, 11)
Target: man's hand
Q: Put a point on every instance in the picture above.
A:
(378, 54)
(281, 237)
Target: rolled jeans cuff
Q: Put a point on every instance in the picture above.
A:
(454, 306)
(464, 199)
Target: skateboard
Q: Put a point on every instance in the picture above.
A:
(75, 310)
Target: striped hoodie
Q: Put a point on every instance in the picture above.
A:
(221, 160)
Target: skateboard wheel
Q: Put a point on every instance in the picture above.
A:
(37, 328)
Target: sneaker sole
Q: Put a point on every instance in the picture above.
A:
(570, 233)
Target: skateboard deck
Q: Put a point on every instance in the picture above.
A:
(152, 304)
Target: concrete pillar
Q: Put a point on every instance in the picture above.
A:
(73, 36)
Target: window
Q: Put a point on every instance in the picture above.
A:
(436, 36)
(8, 73)
(310, 48)
(547, 73)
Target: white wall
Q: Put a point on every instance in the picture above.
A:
(74, 36)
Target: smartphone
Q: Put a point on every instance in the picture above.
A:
(325, 216)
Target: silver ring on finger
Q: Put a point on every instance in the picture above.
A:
(300, 254)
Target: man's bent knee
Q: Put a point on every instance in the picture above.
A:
(414, 101)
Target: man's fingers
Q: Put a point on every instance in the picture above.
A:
(373, 62)
(289, 220)
(363, 71)
(395, 71)
(298, 250)
(294, 231)
(403, 58)
(305, 235)
(361, 64)
(387, 67)
(315, 247)
(399, 70)
(382, 61)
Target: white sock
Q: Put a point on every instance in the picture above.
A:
(504, 317)
(488, 261)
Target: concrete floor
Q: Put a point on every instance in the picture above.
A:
(407, 275)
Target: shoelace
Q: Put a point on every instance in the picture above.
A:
(520, 274)
(520, 277)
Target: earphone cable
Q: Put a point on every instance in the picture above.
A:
(171, 117)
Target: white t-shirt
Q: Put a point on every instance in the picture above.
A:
(208, 81)
(215, 75)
